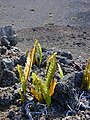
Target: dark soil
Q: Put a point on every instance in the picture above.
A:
(69, 102)
(73, 39)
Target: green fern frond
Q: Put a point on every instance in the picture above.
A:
(21, 76)
(41, 88)
(40, 53)
(35, 50)
(47, 98)
(86, 77)
(49, 60)
(27, 51)
(60, 71)
(30, 60)
(23, 83)
(51, 67)
(22, 96)
(27, 67)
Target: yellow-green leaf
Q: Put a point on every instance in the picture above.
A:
(52, 87)
(22, 96)
(19, 68)
(86, 77)
(51, 70)
(40, 52)
(36, 94)
(40, 87)
(60, 71)
(27, 52)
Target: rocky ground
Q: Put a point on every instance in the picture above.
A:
(69, 102)
(71, 41)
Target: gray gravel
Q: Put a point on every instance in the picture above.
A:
(34, 13)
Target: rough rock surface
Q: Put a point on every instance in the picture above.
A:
(8, 36)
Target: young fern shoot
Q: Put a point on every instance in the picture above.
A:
(50, 69)
(40, 53)
(86, 77)
(31, 58)
(45, 89)
(40, 91)
(60, 70)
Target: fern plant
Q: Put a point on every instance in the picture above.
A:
(45, 89)
(40, 91)
(37, 52)
(22, 79)
(31, 58)
(50, 69)
(86, 77)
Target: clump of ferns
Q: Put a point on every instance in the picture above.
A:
(24, 74)
(86, 77)
(44, 89)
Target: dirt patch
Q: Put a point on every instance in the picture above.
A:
(75, 40)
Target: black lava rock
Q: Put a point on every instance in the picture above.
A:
(15, 49)
(8, 78)
(11, 114)
(5, 42)
(9, 36)
(65, 93)
(68, 55)
(3, 50)
(66, 61)
(9, 31)
(23, 59)
(13, 40)
(8, 62)
(16, 61)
